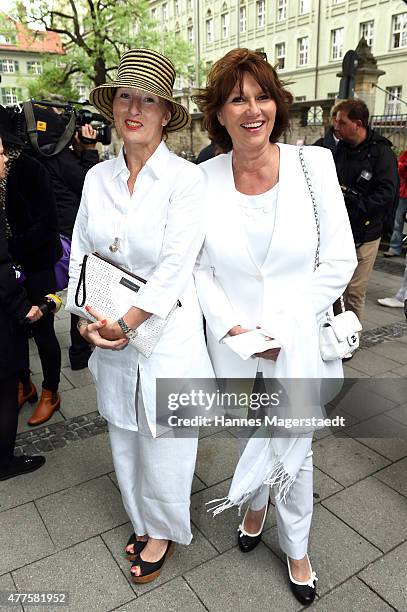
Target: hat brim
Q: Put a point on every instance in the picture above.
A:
(102, 98)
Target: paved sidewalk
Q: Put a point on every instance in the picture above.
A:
(63, 527)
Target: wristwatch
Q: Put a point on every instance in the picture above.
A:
(128, 331)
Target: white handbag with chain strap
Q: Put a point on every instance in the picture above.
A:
(338, 335)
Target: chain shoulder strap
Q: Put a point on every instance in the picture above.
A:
(314, 203)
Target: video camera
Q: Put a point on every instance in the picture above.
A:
(48, 126)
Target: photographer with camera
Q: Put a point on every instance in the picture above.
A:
(33, 243)
(14, 307)
(367, 172)
(67, 171)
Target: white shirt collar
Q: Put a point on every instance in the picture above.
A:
(157, 162)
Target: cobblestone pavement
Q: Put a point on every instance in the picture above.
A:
(63, 527)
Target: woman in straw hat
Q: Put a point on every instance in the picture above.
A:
(142, 211)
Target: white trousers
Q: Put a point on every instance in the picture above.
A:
(295, 514)
(155, 479)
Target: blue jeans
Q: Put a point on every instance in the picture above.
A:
(397, 235)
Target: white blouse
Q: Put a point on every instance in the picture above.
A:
(160, 230)
(259, 218)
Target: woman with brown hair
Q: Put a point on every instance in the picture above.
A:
(257, 271)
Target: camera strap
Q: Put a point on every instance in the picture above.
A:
(33, 132)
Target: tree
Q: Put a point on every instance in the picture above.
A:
(95, 34)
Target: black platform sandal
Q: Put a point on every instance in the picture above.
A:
(151, 571)
(139, 545)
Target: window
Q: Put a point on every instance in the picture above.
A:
(208, 66)
(164, 12)
(315, 116)
(82, 91)
(10, 95)
(332, 94)
(392, 104)
(304, 7)
(399, 31)
(302, 45)
(209, 30)
(366, 30)
(261, 13)
(176, 7)
(177, 29)
(154, 14)
(300, 98)
(280, 55)
(190, 34)
(281, 10)
(224, 20)
(189, 5)
(7, 39)
(8, 66)
(242, 19)
(337, 43)
(34, 67)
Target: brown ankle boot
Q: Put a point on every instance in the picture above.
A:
(46, 407)
(31, 396)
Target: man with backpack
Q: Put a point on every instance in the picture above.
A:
(367, 172)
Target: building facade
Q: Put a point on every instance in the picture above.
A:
(21, 58)
(307, 39)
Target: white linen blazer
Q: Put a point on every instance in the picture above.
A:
(284, 295)
(161, 231)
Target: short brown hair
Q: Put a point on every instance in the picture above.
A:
(222, 78)
(355, 109)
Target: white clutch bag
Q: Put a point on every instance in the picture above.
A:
(110, 289)
(339, 335)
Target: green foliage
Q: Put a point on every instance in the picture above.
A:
(95, 34)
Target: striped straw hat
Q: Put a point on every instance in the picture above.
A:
(147, 70)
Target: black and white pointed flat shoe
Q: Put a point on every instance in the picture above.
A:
(303, 591)
(249, 541)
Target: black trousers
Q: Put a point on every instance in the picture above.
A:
(38, 284)
(49, 352)
(79, 351)
(8, 418)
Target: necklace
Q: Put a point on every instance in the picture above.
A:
(115, 246)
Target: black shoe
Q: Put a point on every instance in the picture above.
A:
(248, 541)
(139, 545)
(151, 570)
(303, 591)
(21, 465)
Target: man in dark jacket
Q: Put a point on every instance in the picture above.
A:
(14, 306)
(367, 172)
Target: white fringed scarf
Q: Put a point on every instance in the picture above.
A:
(270, 461)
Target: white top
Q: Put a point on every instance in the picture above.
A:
(160, 229)
(259, 217)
